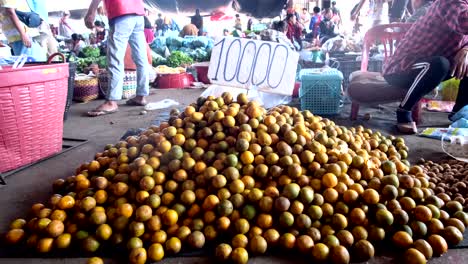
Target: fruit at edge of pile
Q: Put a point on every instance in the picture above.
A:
(261, 179)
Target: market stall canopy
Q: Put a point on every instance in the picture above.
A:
(60, 5)
(255, 8)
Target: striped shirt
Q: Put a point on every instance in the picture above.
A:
(8, 28)
(443, 31)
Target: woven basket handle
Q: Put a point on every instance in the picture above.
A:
(51, 57)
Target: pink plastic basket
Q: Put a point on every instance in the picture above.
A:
(32, 100)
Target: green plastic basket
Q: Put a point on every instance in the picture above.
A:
(321, 91)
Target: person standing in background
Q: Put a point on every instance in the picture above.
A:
(249, 24)
(336, 14)
(167, 24)
(149, 32)
(238, 22)
(22, 40)
(127, 25)
(65, 30)
(159, 25)
(314, 26)
(46, 39)
(174, 25)
(378, 13)
(197, 20)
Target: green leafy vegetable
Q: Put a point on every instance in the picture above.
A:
(91, 52)
(178, 59)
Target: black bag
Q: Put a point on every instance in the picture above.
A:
(30, 19)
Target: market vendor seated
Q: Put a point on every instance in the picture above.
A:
(78, 42)
(327, 27)
(434, 49)
(277, 33)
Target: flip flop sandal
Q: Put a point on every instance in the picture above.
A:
(132, 102)
(96, 113)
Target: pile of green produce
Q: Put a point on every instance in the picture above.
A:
(178, 59)
(198, 48)
(251, 181)
(157, 59)
(88, 56)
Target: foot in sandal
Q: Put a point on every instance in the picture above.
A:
(406, 125)
(109, 107)
(137, 101)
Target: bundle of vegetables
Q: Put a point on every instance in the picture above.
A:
(198, 48)
(88, 56)
(174, 42)
(90, 52)
(102, 62)
(83, 63)
(157, 59)
(178, 59)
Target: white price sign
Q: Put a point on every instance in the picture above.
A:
(244, 63)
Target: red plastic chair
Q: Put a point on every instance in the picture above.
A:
(370, 87)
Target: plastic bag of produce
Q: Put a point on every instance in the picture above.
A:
(157, 59)
(186, 50)
(201, 55)
(187, 43)
(159, 45)
(174, 42)
(200, 42)
(463, 113)
(449, 89)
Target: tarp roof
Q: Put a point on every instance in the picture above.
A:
(256, 8)
(61, 5)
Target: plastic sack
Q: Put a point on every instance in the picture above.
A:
(463, 113)
(157, 59)
(268, 100)
(455, 143)
(200, 42)
(159, 45)
(12, 59)
(175, 42)
(460, 123)
(334, 44)
(449, 89)
(187, 43)
(166, 103)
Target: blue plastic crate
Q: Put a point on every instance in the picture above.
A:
(321, 91)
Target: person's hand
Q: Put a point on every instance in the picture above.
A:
(26, 41)
(89, 20)
(460, 67)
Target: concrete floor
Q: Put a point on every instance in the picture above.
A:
(34, 184)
